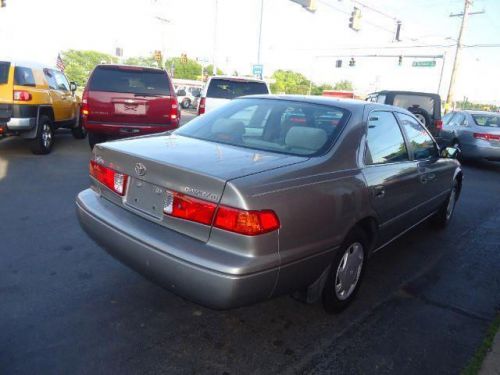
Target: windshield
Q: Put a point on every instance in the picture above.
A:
(112, 79)
(229, 89)
(271, 125)
(4, 72)
(491, 120)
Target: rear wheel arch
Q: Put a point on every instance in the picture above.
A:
(47, 111)
(369, 225)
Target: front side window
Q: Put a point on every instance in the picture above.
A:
(61, 81)
(271, 125)
(385, 142)
(24, 77)
(418, 138)
(51, 79)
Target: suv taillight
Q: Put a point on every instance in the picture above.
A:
(174, 110)
(108, 177)
(201, 106)
(250, 223)
(487, 136)
(438, 124)
(22, 96)
(85, 104)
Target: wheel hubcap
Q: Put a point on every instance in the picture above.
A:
(451, 204)
(421, 118)
(348, 271)
(46, 136)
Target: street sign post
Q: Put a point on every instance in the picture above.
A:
(424, 64)
(257, 70)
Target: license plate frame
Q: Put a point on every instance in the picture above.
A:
(135, 109)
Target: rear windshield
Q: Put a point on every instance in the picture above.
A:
(229, 89)
(4, 72)
(490, 120)
(281, 126)
(407, 101)
(112, 79)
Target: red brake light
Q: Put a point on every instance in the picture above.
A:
(22, 95)
(487, 136)
(250, 223)
(438, 124)
(189, 208)
(174, 110)
(85, 103)
(109, 178)
(201, 106)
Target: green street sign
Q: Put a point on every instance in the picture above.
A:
(424, 64)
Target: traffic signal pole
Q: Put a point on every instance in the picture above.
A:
(456, 62)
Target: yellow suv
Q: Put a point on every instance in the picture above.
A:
(35, 100)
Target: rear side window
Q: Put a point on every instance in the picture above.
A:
(229, 89)
(407, 101)
(418, 138)
(134, 81)
(385, 142)
(4, 72)
(24, 76)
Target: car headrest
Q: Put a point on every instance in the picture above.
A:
(228, 126)
(306, 138)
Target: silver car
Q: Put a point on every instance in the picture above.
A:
(267, 196)
(475, 133)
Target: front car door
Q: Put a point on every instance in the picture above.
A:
(435, 175)
(390, 174)
(67, 109)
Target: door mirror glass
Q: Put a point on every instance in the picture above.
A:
(72, 87)
(450, 152)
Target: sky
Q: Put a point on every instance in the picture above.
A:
(292, 38)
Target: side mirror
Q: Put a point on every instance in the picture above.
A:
(450, 152)
(72, 87)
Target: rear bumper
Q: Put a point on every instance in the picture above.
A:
(17, 124)
(476, 151)
(148, 248)
(123, 130)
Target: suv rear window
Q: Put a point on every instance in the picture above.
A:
(4, 71)
(407, 101)
(130, 80)
(24, 76)
(281, 126)
(230, 89)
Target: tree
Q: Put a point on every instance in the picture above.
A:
(79, 64)
(290, 82)
(318, 90)
(143, 61)
(186, 70)
(343, 85)
(209, 70)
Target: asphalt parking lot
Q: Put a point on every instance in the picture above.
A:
(67, 307)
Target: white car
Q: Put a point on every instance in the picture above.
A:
(219, 90)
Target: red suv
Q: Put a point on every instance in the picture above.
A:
(122, 101)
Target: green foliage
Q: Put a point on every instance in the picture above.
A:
(79, 64)
(209, 70)
(142, 61)
(318, 90)
(188, 70)
(343, 85)
(290, 82)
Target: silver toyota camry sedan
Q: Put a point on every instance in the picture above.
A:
(268, 196)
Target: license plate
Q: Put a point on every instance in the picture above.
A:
(146, 197)
(130, 109)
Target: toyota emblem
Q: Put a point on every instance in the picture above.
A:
(140, 169)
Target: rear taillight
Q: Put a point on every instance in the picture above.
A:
(108, 177)
(235, 220)
(487, 137)
(22, 96)
(438, 124)
(85, 103)
(201, 106)
(174, 109)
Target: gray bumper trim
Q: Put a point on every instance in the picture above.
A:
(21, 123)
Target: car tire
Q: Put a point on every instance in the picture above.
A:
(345, 275)
(79, 132)
(444, 215)
(44, 139)
(186, 103)
(95, 139)
(422, 115)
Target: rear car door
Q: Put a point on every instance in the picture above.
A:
(390, 174)
(435, 176)
(129, 95)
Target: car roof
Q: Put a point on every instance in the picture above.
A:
(131, 66)
(27, 63)
(474, 112)
(349, 104)
(238, 78)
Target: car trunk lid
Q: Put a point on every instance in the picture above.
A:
(190, 166)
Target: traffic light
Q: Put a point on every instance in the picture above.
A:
(400, 60)
(398, 31)
(338, 64)
(157, 56)
(352, 62)
(3, 3)
(355, 20)
(184, 58)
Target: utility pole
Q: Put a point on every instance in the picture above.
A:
(260, 30)
(456, 62)
(214, 71)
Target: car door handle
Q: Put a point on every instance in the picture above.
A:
(379, 191)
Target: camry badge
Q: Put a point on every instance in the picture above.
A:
(140, 169)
